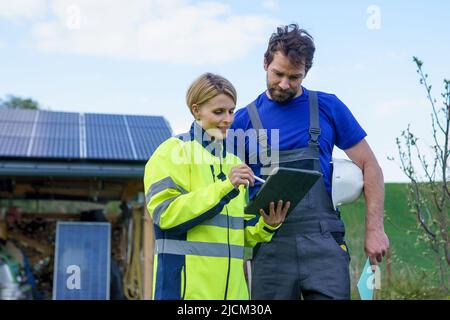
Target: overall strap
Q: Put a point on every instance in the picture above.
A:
(257, 125)
(314, 127)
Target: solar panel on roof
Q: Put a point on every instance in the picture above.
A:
(15, 129)
(48, 134)
(146, 121)
(61, 131)
(59, 117)
(107, 137)
(17, 115)
(55, 148)
(13, 146)
(106, 131)
(103, 119)
(146, 142)
(118, 149)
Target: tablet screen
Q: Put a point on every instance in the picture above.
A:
(287, 184)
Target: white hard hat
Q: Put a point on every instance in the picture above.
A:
(346, 182)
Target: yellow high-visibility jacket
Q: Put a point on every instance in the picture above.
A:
(198, 216)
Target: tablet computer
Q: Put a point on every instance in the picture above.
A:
(287, 184)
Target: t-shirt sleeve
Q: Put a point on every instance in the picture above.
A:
(348, 131)
(238, 122)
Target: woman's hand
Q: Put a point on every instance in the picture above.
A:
(241, 175)
(276, 216)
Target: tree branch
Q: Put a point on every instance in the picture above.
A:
(423, 80)
(446, 97)
(407, 168)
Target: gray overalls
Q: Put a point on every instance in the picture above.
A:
(306, 257)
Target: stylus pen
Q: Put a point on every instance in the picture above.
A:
(259, 179)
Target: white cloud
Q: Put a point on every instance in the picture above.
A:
(271, 4)
(22, 8)
(168, 31)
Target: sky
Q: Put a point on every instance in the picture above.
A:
(140, 56)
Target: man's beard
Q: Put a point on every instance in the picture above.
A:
(279, 95)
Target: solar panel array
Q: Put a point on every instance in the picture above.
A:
(48, 134)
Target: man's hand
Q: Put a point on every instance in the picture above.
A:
(376, 245)
(276, 216)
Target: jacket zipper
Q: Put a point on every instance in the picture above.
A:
(228, 232)
(229, 254)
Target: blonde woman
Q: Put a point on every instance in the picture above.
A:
(195, 193)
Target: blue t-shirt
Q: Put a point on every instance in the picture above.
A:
(338, 127)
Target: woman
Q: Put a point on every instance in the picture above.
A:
(195, 193)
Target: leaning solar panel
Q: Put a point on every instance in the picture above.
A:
(82, 261)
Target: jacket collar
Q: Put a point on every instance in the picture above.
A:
(199, 134)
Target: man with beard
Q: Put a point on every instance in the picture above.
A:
(308, 257)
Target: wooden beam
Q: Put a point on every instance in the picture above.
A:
(51, 216)
(148, 253)
(76, 188)
(45, 249)
(60, 216)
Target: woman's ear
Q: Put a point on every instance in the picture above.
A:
(196, 111)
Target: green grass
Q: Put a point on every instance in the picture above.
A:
(413, 272)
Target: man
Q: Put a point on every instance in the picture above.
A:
(308, 256)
